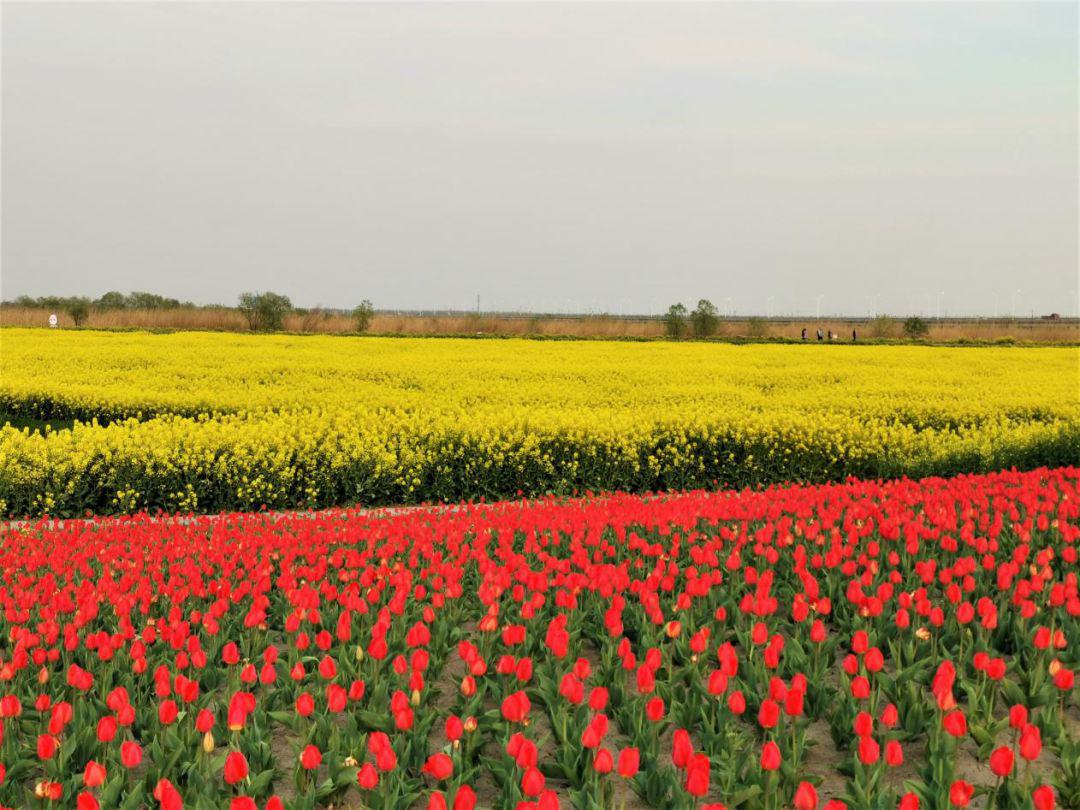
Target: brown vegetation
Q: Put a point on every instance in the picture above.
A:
(603, 326)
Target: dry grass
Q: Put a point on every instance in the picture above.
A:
(597, 326)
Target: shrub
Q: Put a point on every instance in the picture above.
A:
(311, 318)
(264, 312)
(363, 315)
(704, 318)
(675, 321)
(882, 327)
(915, 327)
(78, 309)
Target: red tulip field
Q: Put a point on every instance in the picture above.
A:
(863, 645)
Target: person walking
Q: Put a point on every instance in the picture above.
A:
(804, 333)
(820, 336)
(854, 336)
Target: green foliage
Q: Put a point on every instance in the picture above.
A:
(264, 312)
(705, 318)
(915, 327)
(111, 300)
(145, 300)
(363, 314)
(78, 309)
(675, 321)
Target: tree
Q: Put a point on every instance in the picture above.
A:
(111, 300)
(675, 321)
(264, 311)
(145, 300)
(78, 309)
(705, 318)
(363, 314)
(248, 305)
(916, 327)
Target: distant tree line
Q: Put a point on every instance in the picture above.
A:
(110, 300)
(263, 311)
(266, 312)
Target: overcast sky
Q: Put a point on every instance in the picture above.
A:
(548, 157)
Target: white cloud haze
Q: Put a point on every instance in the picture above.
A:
(603, 157)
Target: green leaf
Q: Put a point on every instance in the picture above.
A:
(744, 795)
(133, 800)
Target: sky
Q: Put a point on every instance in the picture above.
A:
(849, 158)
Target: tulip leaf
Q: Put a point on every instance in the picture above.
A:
(743, 796)
(134, 799)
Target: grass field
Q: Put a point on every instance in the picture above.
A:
(209, 421)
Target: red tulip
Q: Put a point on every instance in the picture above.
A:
(10, 706)
(1001, 761)
(204, 721)
(46, 746)
(236, 768)
(863, 725)
(770, 756)
(367, 777)
(603, 762)
(629, 762)
(736, 702)
(768, 714)
(806, 797)
(106, 728)
(464, 799)
(328, 668)
(515, 707)
(681, 748)
(955, 723)
(94, 774)
(1030, 742)
(130, 754)
(532, 782)
(869, 750)
(1043, 798)
(697, 775)
(167, 712)
(454, 728)
(894, 753)
(960, 793)
(439, 766)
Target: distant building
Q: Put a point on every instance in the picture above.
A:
(1053, 316)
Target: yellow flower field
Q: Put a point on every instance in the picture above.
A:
(208, 421)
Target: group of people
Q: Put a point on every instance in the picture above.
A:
(831, 334)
